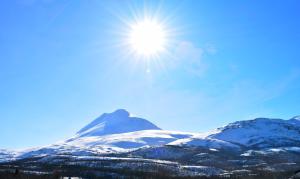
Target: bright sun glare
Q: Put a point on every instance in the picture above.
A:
(147, 38)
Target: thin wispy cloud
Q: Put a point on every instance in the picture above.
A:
(191, 58)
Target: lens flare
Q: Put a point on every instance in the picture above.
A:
(147, 38)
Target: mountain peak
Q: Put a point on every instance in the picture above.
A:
(121, 112)
(116, 122)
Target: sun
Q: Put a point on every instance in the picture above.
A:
(147, 38)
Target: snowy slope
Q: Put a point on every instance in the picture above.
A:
(115, 123)
(205, 142)
(261, 132)
(131, 139)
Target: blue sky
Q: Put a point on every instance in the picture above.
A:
(62, 65)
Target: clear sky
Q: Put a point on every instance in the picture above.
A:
(64, 63)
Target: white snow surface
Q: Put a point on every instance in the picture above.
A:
(131, 140)
(206, 142)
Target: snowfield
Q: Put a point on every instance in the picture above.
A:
(131, 140)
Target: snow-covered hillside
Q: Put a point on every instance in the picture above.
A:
(261, 133)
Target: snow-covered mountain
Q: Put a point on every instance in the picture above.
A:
(268, 144)
(118, 132)
(117, 122)
(115, 132)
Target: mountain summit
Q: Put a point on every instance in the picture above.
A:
(116, 122)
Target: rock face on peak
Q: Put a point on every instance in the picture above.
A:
(116, 122)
